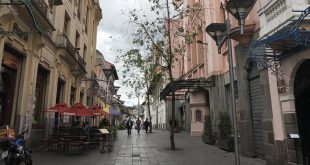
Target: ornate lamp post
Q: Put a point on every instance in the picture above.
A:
(221, 32)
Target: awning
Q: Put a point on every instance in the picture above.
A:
(270, 50)
(77, 109)
(106, 108)
(59, 107)
(113, 111)
(182, 87)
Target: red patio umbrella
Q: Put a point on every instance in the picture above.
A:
(77, 109)
(96, 111)
(59, 107)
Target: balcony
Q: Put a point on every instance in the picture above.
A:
(71, 55)
(275, 14)
(45, 17)
(274, 10)
(80, 60)
(41, 7)
(63, 41)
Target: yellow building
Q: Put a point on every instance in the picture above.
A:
(47, 55)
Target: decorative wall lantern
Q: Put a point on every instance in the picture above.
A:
(217, 33)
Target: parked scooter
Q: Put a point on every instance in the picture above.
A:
(15, 152)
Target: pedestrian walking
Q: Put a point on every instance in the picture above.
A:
(138, 125)
(146, 125)
(129, 124)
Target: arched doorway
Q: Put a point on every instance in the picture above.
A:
(302, 106)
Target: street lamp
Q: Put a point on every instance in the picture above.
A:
(240, 9)
(217, 32)
(221, 32)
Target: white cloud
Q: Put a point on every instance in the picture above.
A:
(114, 34)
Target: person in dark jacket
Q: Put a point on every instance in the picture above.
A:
(146, 125)
(138, 125)
(129, 124)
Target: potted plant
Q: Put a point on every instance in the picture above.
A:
(104, 123)
(113, 129)
(207, 136)
(225, 140)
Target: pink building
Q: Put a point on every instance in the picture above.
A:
(202, 61)
(271, 66)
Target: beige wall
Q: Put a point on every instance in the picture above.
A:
(42, 50)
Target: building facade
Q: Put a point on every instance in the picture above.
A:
(270, 94)
(47, 49)
(255, 113)
(287, 79)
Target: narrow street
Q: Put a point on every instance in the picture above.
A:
(148, 149)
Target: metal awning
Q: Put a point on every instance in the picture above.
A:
(182, 87)
(267, 52)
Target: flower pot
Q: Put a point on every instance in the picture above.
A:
(209, 139)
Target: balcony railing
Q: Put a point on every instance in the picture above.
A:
(62, 41)
(41, 6)
(276, 9)
(80, 60)
(191, 71)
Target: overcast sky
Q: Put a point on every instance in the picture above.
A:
(113, 34)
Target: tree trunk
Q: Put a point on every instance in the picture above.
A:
(170, 63)
(172, 122)
(149, 110)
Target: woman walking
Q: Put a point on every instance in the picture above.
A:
(138, 125)
(129, 124)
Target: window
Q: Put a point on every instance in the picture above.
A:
(223, 12)
(85, 53)
(72, 95)
(79, 9)
(77, 40)
(93, 37)
(40, 95)
(18, 31)
(198, 116)
(60, 91)
(66, 24)
(228, 95)
(87, 99)
(236, 89)
(81, 97)
(86, 22)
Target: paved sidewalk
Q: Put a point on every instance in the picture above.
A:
(148, 149)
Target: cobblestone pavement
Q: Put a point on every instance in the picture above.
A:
(148, 149)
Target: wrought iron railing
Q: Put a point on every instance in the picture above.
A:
(41, 6)
(268, 52)
(191, 71)
(63, 41)
(80, 60)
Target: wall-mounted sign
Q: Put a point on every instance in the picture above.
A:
(293, 136)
